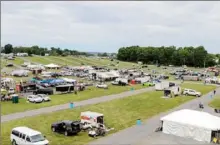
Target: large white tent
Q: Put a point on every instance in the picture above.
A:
(191, 124)
(52, 66)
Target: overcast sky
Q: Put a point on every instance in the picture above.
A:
(107, 26)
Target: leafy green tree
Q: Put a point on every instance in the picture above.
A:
(8, 48)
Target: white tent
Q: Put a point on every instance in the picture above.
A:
(20, 73)
(52, 66)
(69, 80)
(33, 67)
(191, 124)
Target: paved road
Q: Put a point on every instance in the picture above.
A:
(97, 100)
(139, 135)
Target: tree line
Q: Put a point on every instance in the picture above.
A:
(36, 50)
(190, 56)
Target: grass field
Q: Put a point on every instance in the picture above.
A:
(215, 103)
(77, 61)
(91, 92)
(125, 113)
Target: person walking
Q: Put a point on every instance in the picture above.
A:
(214, 92)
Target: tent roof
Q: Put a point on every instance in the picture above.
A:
(194, 118)
(51, 65)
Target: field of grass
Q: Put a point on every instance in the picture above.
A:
(91, 92)
(126, 111)
(38, 59)
(215, 103)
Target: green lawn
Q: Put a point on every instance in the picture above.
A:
(91, 92)
(39, 59)
(17, 61)
(215, 103)
(126, 111)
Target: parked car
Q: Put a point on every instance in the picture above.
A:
(11, 91)
(27, 136)
(9, 65)
(34, 99)
(66, 127)
(104, 86)
(191, 92)
(148, 84)
(44, 97)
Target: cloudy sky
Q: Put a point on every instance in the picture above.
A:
(107, 26)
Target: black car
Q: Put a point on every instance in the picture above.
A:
(66, 127)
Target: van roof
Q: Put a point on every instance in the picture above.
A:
(26, 130)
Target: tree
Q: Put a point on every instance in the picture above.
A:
(190, 56)
(8, 48)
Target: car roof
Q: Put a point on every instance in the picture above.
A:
(26, 130)
(67, 121)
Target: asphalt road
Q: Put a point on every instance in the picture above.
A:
(97, 100)
(139, 135)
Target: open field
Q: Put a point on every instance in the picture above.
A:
(91, 92)
(125, 113)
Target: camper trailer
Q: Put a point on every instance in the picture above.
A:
(191, 78)
(172, 91)
(92, 118)
(163, 85)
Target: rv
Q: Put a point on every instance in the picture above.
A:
(191, 78)
(163, 85)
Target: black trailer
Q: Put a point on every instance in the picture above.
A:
(65, 88)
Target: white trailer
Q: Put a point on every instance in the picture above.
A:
(173, 91)
(92, 118)
(143, 79)
(161, 86)
(123, 80)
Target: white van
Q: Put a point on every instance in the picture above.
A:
(27, 136)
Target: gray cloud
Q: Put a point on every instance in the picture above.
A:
(106, 26)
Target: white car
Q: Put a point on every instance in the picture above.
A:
(11, 91)
(191, 92)
(104, 86)
(27, 136)
(44, 97)
(34, 99)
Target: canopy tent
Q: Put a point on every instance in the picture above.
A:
(33, 67)
(191, 124)
(7, 80)
(69, 80)
(19, 73)
(52, 66)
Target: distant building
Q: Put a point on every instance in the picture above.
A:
(22, 54)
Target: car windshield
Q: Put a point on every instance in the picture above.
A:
(37, 138)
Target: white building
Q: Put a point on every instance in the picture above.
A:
(22, 54)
